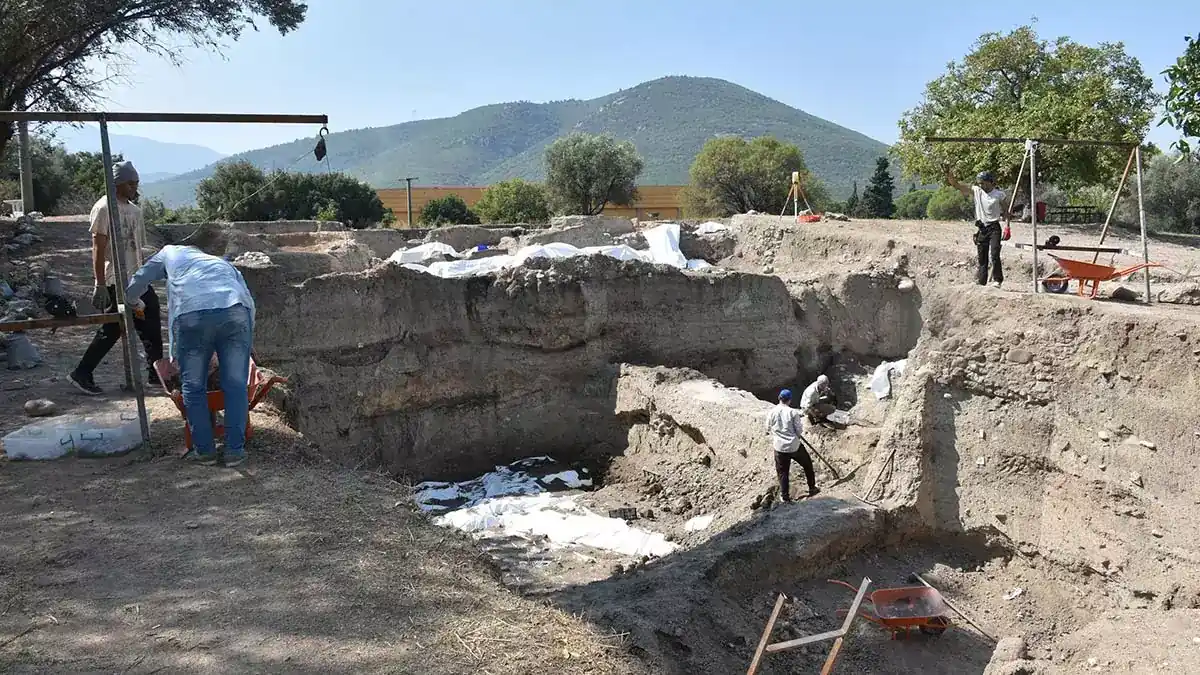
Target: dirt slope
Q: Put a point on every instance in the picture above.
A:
(145, 564)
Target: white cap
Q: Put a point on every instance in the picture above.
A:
(822, 379)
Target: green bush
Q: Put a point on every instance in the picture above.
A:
(514, 201)
(949, 204)
(913, 205)
(241, 191)
(448, 210)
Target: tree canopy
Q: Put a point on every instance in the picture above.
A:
(914, 204)
(877, 198)
(1020, 86)
(947, 203)
(1182, 104)
(56, 56)
(242, 191)
(448, 210)
(732, 175)
(585, 172)
(514, 201)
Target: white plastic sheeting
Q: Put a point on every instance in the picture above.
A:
(515, 500)
(711, 227)
(423, 252)
(881, 383)
(663, 242)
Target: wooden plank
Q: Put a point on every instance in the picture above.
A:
(807, 640)
(850, 617)
(762, 643)
(833, 654)
(34, 324)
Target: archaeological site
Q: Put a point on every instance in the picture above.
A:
(581, 411)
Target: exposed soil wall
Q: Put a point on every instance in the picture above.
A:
(445, 378)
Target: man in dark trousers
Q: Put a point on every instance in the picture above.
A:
(784, 425)
(989, 211)
(104, 293)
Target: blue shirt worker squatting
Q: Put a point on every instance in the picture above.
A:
(785, 425)
(209, 311)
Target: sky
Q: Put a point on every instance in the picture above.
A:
(381, 62)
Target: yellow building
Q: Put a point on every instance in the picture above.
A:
(654, 202)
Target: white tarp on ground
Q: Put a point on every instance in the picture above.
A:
(711, 227)
(515, 500)
(663, 241)
(881, 383)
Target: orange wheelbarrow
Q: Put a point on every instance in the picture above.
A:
(901, 609)
(257, 388)
(1086, 273)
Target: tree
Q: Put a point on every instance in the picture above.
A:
(52, 177)
(1182, 104)
(1171, 194)
(913, 205)
(732, 175)
(448, 210)
(56, 55)
(585, 172)
(851, 205)
(1020, 86)
(877, 198)
(946, 203)
(514, 201)
(241, 191)
(233, 192)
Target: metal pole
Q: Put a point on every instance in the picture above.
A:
(1142, 219)
(191, 118)
(118, 261)
(408, 196)
(1031, 148)
(25, 149)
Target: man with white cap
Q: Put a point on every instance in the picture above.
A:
(817, 401)
(104, 292)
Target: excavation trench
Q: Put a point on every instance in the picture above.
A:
(654, 380)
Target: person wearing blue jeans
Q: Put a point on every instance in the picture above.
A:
(209, 311)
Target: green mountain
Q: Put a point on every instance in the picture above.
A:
(668, 119)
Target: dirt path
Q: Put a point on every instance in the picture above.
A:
(147, 564)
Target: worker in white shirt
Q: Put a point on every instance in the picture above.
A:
(817, 401)
(989, 211)
(785, 425)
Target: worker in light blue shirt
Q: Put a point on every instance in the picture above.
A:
(209, 311)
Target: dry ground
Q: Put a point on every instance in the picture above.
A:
(147, 564)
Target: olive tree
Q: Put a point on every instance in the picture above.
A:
(586, 172)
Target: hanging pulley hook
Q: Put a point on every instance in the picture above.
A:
(319, 151)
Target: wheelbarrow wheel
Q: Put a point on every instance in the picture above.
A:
(1055, 284)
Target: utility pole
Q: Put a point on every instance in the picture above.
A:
(408, 194)
(26, 160)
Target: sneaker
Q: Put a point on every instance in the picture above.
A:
(814, 491)
(995, 284)
(203, 459)
(84, 383)
(234, 460)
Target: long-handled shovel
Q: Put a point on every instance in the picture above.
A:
(836, 475)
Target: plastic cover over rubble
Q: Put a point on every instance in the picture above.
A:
(663, 249)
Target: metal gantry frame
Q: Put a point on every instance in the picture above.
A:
(130, 352)
(1031, 145)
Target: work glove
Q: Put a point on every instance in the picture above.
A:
(100, 297)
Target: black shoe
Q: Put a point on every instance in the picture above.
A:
(84, 383)
(152, 381)
(814, 491)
